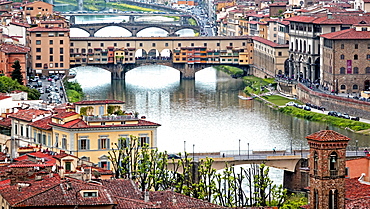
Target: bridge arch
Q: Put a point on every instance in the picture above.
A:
(119, 31)
(142, 30)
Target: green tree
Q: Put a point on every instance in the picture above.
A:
(295, 201)
(17, 74)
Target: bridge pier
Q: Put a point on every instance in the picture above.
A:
(187, 71)
(117, 72)
(131, 19)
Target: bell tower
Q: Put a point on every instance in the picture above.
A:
(327, 169)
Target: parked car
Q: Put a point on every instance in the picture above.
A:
(173, 156)
(355, 118)
(345, 116)
(332, 113)
(298, 106)
(290, 104)
(307, 108)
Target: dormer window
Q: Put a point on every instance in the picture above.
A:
(89, 193)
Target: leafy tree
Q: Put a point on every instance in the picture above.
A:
(8, 85)
(295, 201)
(17, 74)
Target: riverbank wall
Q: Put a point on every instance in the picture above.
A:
(333, 102)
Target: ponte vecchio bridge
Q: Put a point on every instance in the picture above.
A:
(186, 54)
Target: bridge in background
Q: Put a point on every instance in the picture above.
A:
(186, 54)
(135, 27)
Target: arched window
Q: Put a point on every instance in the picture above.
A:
(316, 199)
(368, 56)
(367, 69)
(355, 57)
(333, 164)
(355, 70)
(304, 46)
(355, 87)
(342, 46)
(342, 86)
(296, 44)
(342, 56)
(333, 199)
(342, 70)
(315, 163)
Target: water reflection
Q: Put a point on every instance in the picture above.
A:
(205, 112)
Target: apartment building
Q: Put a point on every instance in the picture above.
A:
(345, 59)
(49, 43)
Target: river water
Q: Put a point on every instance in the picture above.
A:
(205, 112)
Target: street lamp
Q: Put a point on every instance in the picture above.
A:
(193, 152)
(239, 147)
(291, 146)
(356, 146)
(248, 149)
(184, 147)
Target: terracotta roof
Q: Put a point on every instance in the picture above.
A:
(43, 29)
(6, 122)
(62, 115)
(51, 21)
(46, 156)
(4, 97)
(57, 191)
(270, 43)
(20, 24)
(347, 18)
(80, 124)
(14, 49)
(327, 135)
(42, 123)
(348, 34)
(28, 115)
(94, 102)
(357, 194)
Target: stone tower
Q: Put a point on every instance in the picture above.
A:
(327, 169)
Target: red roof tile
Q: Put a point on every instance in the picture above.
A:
(62, 115)
(42, 123)
(14, 49)
(94, 102)
(347, 34)
(42, 29)
(357, 194)
(29, 114)
(4, 97)
(80, 124)
(20, 24)
(49, 159)
(341, 18)
(270, 43)
(327, 135)
(6, 122)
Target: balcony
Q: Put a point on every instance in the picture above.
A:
(333, 173)
(109, 118)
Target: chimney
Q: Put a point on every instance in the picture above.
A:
(146, 196)
(330, 15)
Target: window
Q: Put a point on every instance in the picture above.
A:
(61, 51)
(143, 140)
(192, 44)
(342, 56)
(114, 44)
(123, 141)
(51, 58)
(56, 64)
(83, 144)
(56, 140)
(38, 42)
(166, 44)
(179, 44)
(88, 44)
(333, 164)
(342, 70)
(355, 87)
(44, 139)
(51, 42)
(90, 194)
(38, 34)
(315, 166)
(61, 64)
(367, 70)
(51, 51)
(61, 42)
(355, 70)
(355, 57)
(368, 56)
(61, 58)
(38, 49)
(67, 166)
(64, 142)
(332, 29)
(127, 44)
(356, 46)
(51, 34)
(218, 44)
(71, 44)
(342, 46)
(280, 53)
(153, 44)
(38, 65)
(140, 44)
(61, 34)
(38, 57)
(333, 199)
(103, 143)
(342, 87)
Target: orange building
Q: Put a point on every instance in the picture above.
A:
(187, 2)
(37, 9)
(10, 53)
(356, 167)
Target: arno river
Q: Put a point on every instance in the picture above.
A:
(205, 112)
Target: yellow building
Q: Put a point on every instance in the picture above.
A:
(37, 9)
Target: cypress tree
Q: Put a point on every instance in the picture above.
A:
(17, 74)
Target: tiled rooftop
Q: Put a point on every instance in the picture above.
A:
(351, 34)
(62, 115)
(28, 114)
(42, 123)
(43, 29)
(95, 102)
(10, 48)
(327, 135)
(268, 42)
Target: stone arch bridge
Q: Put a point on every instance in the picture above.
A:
(136, 27)
(186, 54)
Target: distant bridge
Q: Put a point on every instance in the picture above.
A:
(136, 27)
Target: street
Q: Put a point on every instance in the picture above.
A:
(52, 90)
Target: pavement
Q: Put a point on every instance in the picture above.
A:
(58, 90)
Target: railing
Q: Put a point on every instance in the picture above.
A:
(109, 118)
(333, 173)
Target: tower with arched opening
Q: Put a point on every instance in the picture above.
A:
(327, 169)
